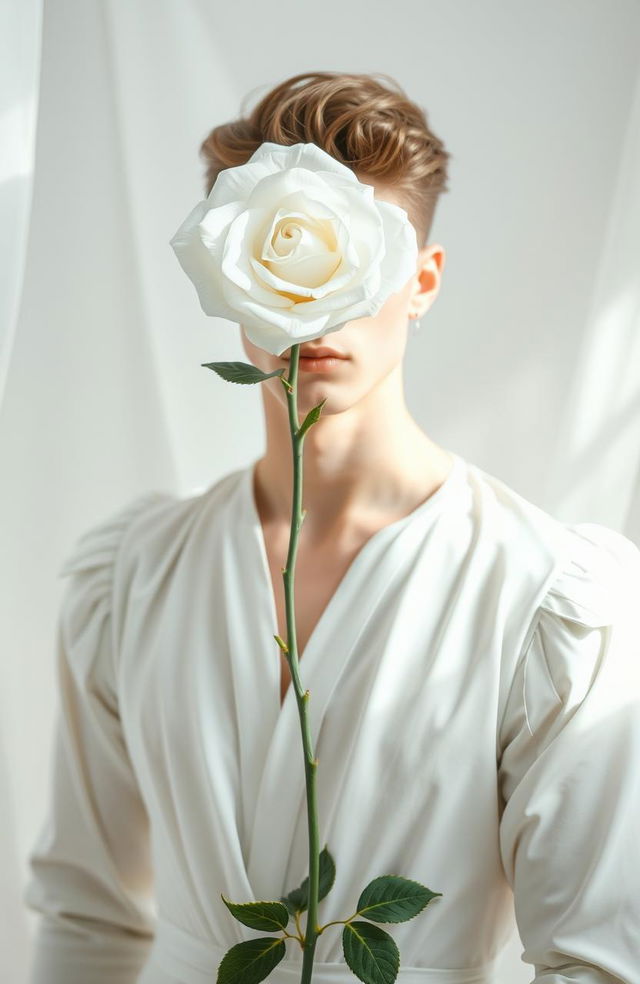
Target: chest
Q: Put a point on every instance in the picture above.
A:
(317, 578)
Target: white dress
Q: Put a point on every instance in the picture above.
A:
(475, 709)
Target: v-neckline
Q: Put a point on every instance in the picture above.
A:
(384, 533)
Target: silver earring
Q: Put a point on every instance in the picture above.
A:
(415, 327)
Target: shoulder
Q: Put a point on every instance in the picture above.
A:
(97, 545)
(585, 566)
(585, 622)
(510, 519)
(88, 569)
(131, 547)
(560, 587)
(137, 535)
(597, 578)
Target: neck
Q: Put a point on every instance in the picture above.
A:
(365, 464)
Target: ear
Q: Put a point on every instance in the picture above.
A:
(433, 258)
(431, 261)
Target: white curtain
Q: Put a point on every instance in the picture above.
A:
(102, 393)
(20, 39)
(596, 473)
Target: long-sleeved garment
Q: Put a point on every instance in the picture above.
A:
(475, 709)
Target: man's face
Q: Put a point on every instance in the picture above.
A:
(374, 347)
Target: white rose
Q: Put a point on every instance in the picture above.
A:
(292, 246)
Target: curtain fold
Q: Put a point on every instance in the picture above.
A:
(21, 31)
(596, 472)
(20, 53)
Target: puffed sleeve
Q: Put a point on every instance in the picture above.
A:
(569, 768)
(90, 874)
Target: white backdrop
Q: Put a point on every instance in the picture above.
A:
(528, 364)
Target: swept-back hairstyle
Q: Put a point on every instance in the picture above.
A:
(372, 128)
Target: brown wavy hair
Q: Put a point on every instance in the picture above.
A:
(372, 128)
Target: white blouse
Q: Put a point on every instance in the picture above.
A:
(474, 706)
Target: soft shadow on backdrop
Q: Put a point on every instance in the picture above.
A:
(528, 364)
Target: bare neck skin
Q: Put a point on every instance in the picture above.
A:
(362, 468)
(366, 462)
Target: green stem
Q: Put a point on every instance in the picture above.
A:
(337, 922)
(302, 697)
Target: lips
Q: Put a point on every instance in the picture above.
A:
(321, 352)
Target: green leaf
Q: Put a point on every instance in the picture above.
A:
(289, 904)
(271, 916)
(250, 961)
(241, 372)
(298, 899)
(391, 898)
(371, 953)
(311, 418)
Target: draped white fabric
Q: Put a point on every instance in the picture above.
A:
(19, 77)
(102, 394)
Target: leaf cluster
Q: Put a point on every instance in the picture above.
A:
(369, 951)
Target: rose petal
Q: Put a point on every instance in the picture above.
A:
(313, 276)
(237, 277)
(200, 261)
(235, 184)
(345, 252)
(273, 339)
(304, 155)
(401, 253)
